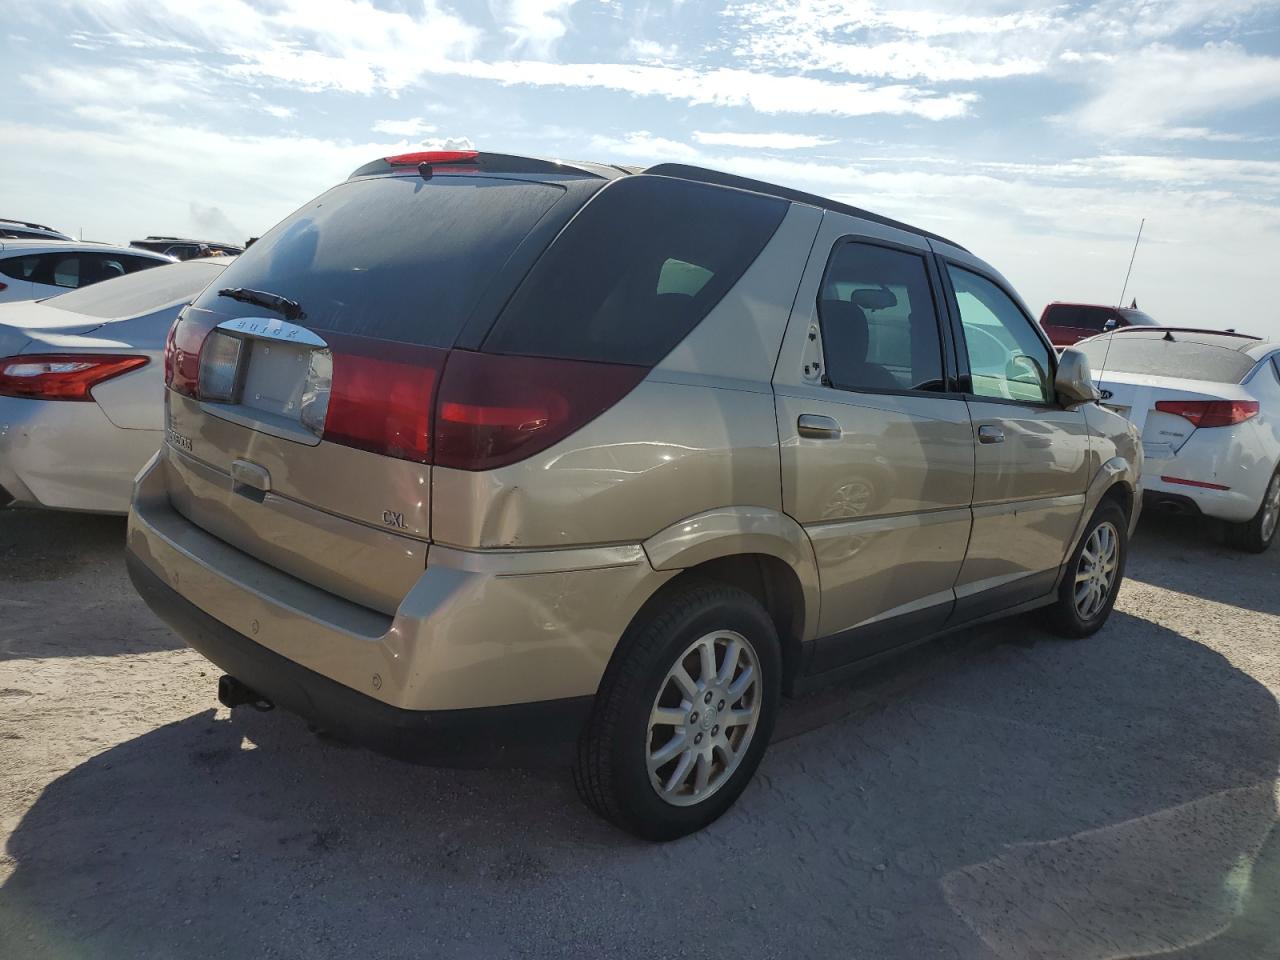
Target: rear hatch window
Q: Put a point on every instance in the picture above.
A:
(1154, 356)
(140, 292)
(396, 258)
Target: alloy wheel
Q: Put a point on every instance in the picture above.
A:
(1270, 508)
(703, 718)
(1097, 570)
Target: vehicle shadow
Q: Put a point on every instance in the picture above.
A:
(1174, 552)
(61, 571)
(999, 794)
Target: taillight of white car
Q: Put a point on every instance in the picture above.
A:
(61, 376)
(1210, 413)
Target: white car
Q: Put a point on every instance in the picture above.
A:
(1207, 404)
(81, 382)
(22, 230)
(31, 269)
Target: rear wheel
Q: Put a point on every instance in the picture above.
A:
(1256, 534)
(1092, 579)
(684, 713)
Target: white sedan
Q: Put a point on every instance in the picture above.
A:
(31, 269)
(82, 386)
(1207, 405)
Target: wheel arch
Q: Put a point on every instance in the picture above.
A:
(759, 550)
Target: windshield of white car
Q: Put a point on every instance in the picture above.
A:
(1155, 356)
(143, 291)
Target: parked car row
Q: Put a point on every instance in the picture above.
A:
(577, 461)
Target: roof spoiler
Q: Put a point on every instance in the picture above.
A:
(1162, 329)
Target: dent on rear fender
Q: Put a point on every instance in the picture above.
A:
(735, 531)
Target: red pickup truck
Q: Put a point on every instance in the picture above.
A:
(1065, 323)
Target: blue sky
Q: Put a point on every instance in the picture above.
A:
(1036, 135)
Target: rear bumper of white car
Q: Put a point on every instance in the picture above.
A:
(67, 455)
(1220, 472)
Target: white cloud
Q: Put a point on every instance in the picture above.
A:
(413, 127)
(727, 87)
(761, 141)
(279, 112)
(1152, 90)
(348, 45)
(535, 26)
(449, 143)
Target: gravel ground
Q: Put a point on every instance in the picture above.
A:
(996, 794)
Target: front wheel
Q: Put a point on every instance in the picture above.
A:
(684, 713)
(1092, 578)
(1256, 534)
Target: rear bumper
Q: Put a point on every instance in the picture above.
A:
(1235, 505)
(69, 456)
(513, 631)
(526, 733)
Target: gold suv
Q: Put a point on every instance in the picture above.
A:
(478, 456)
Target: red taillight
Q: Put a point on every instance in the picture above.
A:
(61, 376)
(182, 353)
(381, 394)
(495, 410)
(432, 157)
(1210, 413)
(3, 286)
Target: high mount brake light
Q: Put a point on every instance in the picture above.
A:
(433, 157)
(1210, 413)
(62, 376)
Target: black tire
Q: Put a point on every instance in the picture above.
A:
(1251, 536)
(1064, 617)
(611, 771)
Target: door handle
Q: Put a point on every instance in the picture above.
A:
(816, 427)
(990, 433)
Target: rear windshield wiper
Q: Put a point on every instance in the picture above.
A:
(289, 309)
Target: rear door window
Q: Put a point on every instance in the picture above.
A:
(879, 323)
(66, 270)
(637, 269)
(395, 258)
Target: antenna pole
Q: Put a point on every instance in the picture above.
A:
(1120, 303)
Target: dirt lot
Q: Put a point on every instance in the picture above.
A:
(995, 794)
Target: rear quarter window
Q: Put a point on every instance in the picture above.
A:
(1156, 357)
(637, 269)
(19, 268)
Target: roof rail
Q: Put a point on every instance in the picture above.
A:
(1159, 329)
(703, 175)
(33, 226)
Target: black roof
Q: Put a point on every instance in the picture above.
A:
(687, 172)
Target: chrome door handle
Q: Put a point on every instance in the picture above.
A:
(989, 433)
(817, 428)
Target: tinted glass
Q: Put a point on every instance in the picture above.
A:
(1136, 318)
(141, 292)
(635, 270)
(879, 325)
(66, 271)
(1007, 359)
(397, 258)
(1155, 356)
(20, 268)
